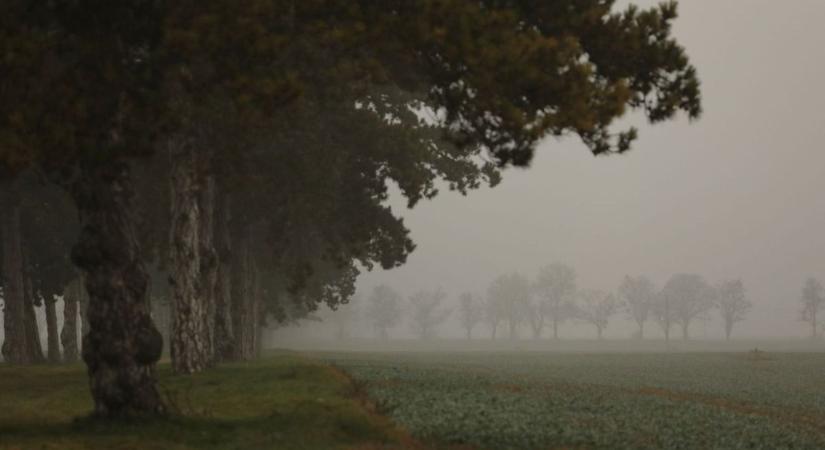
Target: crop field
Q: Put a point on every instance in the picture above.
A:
(598, 401)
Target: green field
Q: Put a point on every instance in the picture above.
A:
(599, 401)
(462, 400)
(281, 402)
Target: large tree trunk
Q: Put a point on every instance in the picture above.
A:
(51, 331)
(68, 335)
(14, 315)
(189, 345)
(121, 344)
(223, 333)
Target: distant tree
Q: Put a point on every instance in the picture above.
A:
(470, 312)
(687, 296)
(554, 288)
(383, 310)
(511, 294)
(427, 313)
(732, 304)
(596, 307)
(637, 295)
(662, 313)
(493, 315)
(813, 300)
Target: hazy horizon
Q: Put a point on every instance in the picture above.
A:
(736, 194)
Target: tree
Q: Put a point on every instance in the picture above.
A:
(595, 307)
(383, 310)
(687, 296)
(86, 94)
(637, 296)
(813, 300)
(732, 303)
(470, 312)
(555, 288)
(511, 297)
(427, 313)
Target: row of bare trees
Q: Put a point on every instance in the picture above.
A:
(514, 302)
(553, 298)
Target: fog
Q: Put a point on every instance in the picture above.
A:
(737, 194)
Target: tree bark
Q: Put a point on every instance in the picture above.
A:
(189, 348)
(121, 345)
(33, 343)
(243, 300)
(14, 315)
(223, 334)
(52, 337)
(209, 264)
(68, 335)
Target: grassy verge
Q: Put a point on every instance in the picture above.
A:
(283, 402)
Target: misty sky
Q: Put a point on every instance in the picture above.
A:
(737, 194)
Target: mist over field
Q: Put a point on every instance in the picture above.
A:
(737, 194)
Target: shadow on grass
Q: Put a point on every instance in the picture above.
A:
(281, 402)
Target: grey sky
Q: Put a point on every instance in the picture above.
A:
(737, 194)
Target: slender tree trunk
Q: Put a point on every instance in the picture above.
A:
(728, 329)
(223, 334)
(555, 328)
(243, 303)
(667, 332)
(209, 264)
(598, 332)
(83, 303)
(189, 347)
(51, 329)
(121, 344)
(641, 330)
(252, 313)
(813, 324)
(14, 315)
(538, 327)
(495, 327)
(33, 343)
(469, 333)
(685, 336)
(68, 335)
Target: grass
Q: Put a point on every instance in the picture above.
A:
(599, 401)
(283, 401)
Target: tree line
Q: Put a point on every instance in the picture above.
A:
(234, 156)
(514, 302)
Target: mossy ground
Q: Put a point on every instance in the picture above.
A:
(280, 402)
